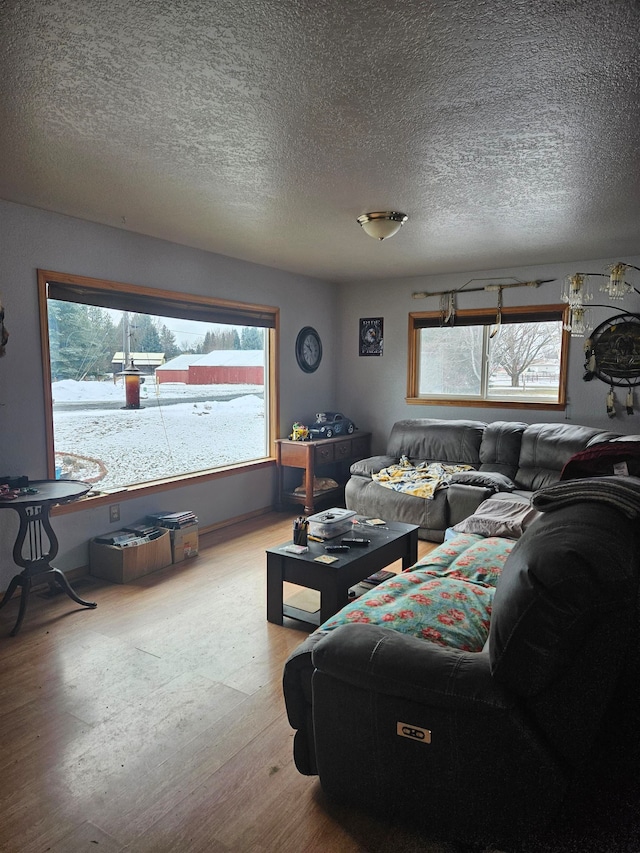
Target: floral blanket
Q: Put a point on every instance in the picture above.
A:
(422, 480)
(445, 598)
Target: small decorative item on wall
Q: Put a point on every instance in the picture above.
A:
(4, 335)
(371, 337)
(612, 354)
(308, 349)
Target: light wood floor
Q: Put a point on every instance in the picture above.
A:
(156, 722)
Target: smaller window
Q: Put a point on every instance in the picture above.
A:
(520, 362)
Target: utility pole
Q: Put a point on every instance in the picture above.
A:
(126, 340)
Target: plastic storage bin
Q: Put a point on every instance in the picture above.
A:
(331, 522)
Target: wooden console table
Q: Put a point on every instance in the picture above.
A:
(342, 451)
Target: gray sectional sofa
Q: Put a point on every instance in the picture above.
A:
(506, 457)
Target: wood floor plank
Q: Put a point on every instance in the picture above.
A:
(156, 722)
(84, 838)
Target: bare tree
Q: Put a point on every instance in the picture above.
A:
(517, 346)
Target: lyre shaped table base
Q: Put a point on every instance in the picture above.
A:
(33, 535)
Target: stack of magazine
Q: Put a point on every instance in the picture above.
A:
(135, 534)
(173, 520)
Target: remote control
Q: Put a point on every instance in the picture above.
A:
(358, 543)
(336, 547)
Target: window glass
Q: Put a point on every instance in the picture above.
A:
(138, 397)
(521, 361)
(451, 361)
(524, 361)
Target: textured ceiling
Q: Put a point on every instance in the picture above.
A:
(507, 130)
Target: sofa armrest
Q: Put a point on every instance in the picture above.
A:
(385, 661)
(367, 467)
(296, 680)
(464, 500)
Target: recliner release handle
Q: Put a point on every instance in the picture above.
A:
(413, 732)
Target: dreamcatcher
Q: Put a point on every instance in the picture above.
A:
(612, 354)
(4, 335)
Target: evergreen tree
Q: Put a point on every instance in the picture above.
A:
(81, 338)
(209, 342)
(168, 343)
(104, 339)
(145, 336)
(251, 338)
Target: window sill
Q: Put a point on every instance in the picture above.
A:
(482, 404)
(95, 499)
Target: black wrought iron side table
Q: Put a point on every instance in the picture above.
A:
(35, 535)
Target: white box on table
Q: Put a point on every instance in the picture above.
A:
(331, 522)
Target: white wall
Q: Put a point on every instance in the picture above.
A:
(372, 390)
(32, 239)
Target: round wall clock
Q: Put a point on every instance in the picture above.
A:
(308, 349)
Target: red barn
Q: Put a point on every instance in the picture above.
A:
(219, 367)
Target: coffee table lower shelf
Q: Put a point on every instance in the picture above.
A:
(312, 618)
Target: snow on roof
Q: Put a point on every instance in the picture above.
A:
(180, 362)
(148, 358)
(232, 358)
(217, 358)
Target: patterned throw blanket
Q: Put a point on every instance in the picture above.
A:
(422, 480)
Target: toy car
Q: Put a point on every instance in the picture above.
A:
(329, 424)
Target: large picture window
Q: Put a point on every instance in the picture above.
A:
(520, 362)
(202, 372)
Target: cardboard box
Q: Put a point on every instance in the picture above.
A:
(184, 542)
(123, 565)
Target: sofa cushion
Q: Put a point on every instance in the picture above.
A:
(486, 479)
(500, 448)
(369, 498)
(499, 517)
(445, 610)
(371, 465)
(436, 440)
(545, 449)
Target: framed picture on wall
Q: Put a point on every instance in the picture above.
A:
(371, 337)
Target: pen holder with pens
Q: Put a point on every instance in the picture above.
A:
(300, 531)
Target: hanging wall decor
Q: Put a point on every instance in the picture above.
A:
(4, 335)
(371, 337)
(448, 297)
(612, 354)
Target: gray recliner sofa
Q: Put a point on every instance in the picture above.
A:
(506, 457)
(490, 745)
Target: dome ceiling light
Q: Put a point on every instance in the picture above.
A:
(384, 224)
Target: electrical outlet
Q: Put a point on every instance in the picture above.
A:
(114, 512)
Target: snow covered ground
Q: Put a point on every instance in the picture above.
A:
(178, 429)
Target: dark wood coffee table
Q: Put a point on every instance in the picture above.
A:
(394, 541)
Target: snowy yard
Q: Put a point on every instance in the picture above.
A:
(178, 429)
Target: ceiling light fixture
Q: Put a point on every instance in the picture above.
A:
(381, 225)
